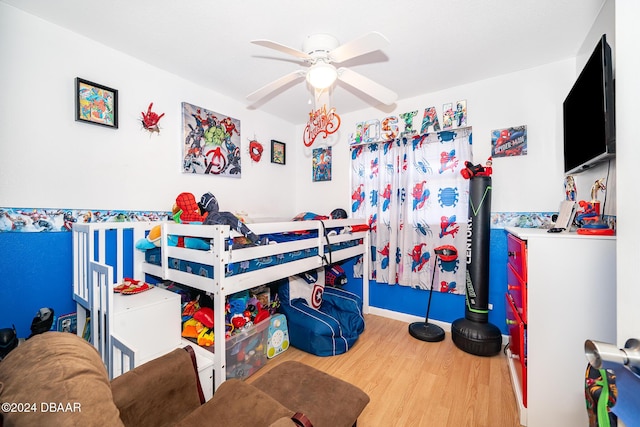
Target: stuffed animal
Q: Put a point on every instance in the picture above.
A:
(151, 241)
(186, 211)
(190, 211)
(212, 215)
(337, 213)
(470, 170)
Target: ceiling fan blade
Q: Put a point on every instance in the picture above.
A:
(367, 86)
(368, 43)
(275, 85)
(282, 48)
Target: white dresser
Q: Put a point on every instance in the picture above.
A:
(563, 290)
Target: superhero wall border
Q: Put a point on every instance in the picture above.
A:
(27, 220)
(52, 220)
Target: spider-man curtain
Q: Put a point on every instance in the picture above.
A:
(416, 201)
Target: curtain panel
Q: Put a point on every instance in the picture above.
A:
(415, 200)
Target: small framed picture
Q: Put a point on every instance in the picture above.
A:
(96, 104)
(278, 152)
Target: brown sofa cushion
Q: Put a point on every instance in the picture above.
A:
(159, 392)
(238, 404)
(63, 376)
(326, 400)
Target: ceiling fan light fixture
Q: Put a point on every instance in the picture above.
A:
(322, 75)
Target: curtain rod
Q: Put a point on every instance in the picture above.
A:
(409, 135)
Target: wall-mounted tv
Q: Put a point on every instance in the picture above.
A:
(588, 114)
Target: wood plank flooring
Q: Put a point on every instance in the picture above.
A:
(416, 383)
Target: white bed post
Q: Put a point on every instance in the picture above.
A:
(219, 302)
(139, 233)
(365, 272)
(80, 291)
(100, 277)
(321, 242)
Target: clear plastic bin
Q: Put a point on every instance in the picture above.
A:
(247, 351)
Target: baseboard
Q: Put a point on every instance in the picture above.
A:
(409, 318)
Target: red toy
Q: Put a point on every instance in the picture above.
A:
(188, 208)
(472, 170)
(588, 212)
(150, 120)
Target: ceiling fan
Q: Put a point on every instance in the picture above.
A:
(320, 52)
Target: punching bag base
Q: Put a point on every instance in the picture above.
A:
(426, 332)
(480, 339)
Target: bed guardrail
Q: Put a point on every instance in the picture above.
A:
(91, 242)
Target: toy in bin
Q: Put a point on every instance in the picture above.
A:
(278, 338)
(246, 351)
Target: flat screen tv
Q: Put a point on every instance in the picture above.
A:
(588, 114)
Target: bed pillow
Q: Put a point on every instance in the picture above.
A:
(308, 286)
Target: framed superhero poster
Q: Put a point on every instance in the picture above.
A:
(278, 152)
(322, 164)
(509, 142)
(211, 142)
(96, 104)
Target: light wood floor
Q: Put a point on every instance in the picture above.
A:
(416, 383)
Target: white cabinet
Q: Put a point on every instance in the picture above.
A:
(569, 296)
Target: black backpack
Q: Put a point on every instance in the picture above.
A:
(42, 322)
(8, 341)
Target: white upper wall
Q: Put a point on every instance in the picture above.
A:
(530, 183)
(47, 160)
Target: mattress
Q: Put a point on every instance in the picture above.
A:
(154, 256)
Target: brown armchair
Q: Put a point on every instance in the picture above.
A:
(57, 378)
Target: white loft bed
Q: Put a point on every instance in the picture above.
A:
(104, 253)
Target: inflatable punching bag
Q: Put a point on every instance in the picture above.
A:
(473, 334)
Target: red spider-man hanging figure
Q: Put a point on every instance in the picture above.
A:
(150, 120)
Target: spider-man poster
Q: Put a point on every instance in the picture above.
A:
(211, 142)
(509, 142)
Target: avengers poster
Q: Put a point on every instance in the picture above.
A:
(211, 142)
(322, 164)
(509, 142)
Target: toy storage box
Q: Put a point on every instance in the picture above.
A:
(247, 351)
(150, 320)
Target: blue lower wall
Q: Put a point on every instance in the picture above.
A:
(36, 271)
(449, 307)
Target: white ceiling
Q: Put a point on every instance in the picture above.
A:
(434, 44)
